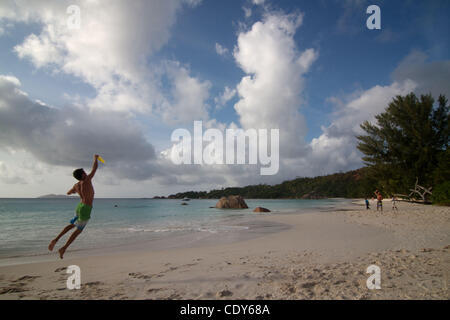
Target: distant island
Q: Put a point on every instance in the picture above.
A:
(56, 196)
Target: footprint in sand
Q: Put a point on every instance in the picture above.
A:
(26, 278)
(18, 285)
(174, 296)
(309, 285)
(190, 265)
(61, 269)
(92, 284)
(138, 275)
(170, 269)
(238, 286)
(13, 289)
(224, 293)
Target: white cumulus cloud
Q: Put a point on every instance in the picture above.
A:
(111, 51)
(270, 95)
(189, 96)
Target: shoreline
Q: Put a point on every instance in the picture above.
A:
(254, 228)
(231, 229)
(322, 255)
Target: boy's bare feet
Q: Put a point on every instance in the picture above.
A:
(51, 245)
(61, 252)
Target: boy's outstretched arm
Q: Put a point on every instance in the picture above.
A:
(94, 167)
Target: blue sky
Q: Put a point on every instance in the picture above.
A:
(350, 65)
(351, 56)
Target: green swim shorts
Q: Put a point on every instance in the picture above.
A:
(83, 212)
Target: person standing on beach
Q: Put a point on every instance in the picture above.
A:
(85, 190)
(394, 204)
(379, 200)
(367, 204)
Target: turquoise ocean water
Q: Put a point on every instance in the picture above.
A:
(27, 225)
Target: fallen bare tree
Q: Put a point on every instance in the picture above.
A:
(422, 192)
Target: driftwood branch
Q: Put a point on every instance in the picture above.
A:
(423, 193)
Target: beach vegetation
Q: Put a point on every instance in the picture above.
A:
(441, 194)
(407, 142)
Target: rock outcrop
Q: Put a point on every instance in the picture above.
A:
(261, 209)
(231, 202)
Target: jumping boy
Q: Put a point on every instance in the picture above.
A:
(83, 211)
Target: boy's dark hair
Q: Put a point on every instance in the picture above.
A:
(78, 174)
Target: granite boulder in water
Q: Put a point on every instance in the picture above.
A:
(231, 202)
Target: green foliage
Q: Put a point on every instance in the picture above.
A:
(442, 171)
(406, 142)
(352, 184)
(441, 194)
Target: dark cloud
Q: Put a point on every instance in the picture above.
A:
(8, 177)
(70, 136)
(431, 77)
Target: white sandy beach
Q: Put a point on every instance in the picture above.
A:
(322, 255)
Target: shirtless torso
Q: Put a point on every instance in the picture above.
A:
(86, 191)
(84, 187)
